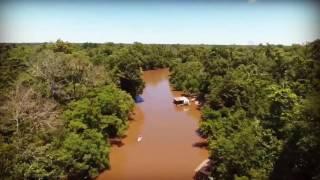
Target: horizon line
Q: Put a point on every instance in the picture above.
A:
(209, 44)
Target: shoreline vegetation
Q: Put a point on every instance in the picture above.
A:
(62, 102)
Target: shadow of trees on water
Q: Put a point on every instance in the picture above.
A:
(202, 144)
(117, 142)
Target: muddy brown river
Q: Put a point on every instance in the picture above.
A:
(168, 149)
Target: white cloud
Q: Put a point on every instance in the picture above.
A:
(252, 1)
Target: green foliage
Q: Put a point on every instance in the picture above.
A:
(239, 146)
(127, 67)
(187, 77)
(105, 109)
(61, 46)
(255, 113)
(7, 155)
(81, 151)
(76, 156)
(102, 114)
(83, 155)
(260, 113)
(314, 49)
(37, 162)
(12, 63)
(67, 77)
(300, 156)
(282, 109)
(35, 142)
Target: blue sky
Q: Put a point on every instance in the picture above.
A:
(176, 21)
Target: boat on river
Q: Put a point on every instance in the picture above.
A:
(203, 170)
(181, 101)
(139, 138)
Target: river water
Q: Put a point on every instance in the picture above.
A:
(168, 149)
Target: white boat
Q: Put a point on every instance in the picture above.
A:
(139, 138)
(181, 100)
(203, 170)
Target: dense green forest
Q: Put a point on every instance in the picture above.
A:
(61, 103)
(261, 108)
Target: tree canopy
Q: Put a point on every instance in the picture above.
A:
(62, 101)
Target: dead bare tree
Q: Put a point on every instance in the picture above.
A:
(51, 68)
(27, 107)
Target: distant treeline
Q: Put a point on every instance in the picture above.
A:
(61, 103)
